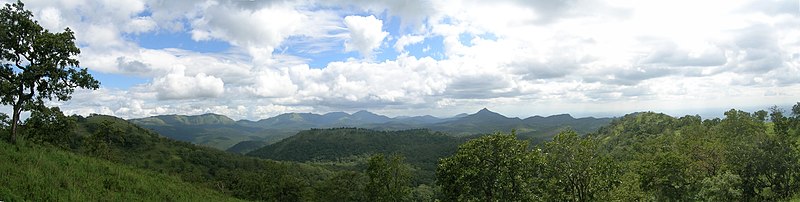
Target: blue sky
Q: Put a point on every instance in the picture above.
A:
(255, 59)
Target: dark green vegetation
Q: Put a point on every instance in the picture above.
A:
(245, 147)
(223, 133)
(640, 157)
(42, 173)
(37, 65)
(422, 148)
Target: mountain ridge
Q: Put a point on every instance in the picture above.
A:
(221, 132)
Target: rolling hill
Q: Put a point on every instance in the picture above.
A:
(223, 133)
(212, 130)
(421, 147)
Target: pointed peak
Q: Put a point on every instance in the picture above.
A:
(485, 111)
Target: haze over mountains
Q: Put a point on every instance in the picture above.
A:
(222, 132)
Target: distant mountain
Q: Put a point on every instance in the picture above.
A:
(212, 130)
(301, 121)
(367, 117)
(205, 119)
(427, 119)
(221, 132)
(485, 117)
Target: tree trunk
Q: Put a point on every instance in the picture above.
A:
(14, 121)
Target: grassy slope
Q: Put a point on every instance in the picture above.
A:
(39, 173)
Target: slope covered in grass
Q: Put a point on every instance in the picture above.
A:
(39, 173)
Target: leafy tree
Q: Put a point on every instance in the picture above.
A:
(4, 121)
(343, 186)
(576, 170)
(722, 187)
(779, 121)
(50, 126)
(490, 168)
(100, 142)
(37, 65)
(389, 179)
(760, 115)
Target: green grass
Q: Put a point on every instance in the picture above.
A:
(38, 173)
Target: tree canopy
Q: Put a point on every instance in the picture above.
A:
(37, 64)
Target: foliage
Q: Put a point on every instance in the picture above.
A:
(389, 179)
(576, 170)
(50, 126)
(490, 168)
(37, 65)
(641, 157)
(739, 157)
(43, 173)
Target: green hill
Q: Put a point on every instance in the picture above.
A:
(243, 177)
(421, 147)
(212, 130)
(40, 173)
(244, 147)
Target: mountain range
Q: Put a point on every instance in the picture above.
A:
(221, 132)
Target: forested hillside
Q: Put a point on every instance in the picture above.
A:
(123, 143)
(640, 157)
(421, 148)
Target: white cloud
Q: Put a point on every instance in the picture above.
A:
(273, 85)
(259, 31)
(406, 40)
(366, 34)
(519, 56)
(176, 85)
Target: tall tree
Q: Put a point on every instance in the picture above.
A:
(389, 178)
(576, 169)
(491, 168)
(37, 65)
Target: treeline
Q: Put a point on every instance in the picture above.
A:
(640, 157)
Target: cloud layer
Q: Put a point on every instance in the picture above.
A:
(521, 58)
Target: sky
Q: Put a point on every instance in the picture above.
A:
(253, 59)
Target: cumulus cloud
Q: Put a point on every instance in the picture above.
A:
(406, 40)
(286, 55)
(176, 85)
(258, 31)
(366, 34)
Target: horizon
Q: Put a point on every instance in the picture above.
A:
(708, 114)
(250, 60)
